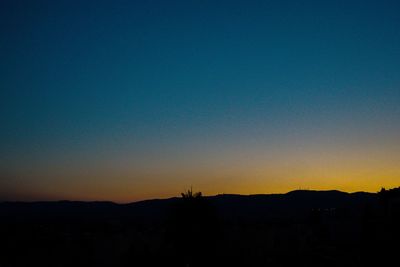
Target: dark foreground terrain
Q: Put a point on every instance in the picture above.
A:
(300, 228)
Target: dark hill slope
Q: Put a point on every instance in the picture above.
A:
(292, 204)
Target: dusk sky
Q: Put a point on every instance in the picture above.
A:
(130, 100)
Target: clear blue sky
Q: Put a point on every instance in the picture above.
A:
(125, 100)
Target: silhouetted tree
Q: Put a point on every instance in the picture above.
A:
(189, 194)
(193, 229)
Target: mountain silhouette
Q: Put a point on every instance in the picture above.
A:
(289, 204)
(302, 227)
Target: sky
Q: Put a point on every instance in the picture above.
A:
(131, 100)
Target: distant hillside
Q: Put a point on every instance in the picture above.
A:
(292, 204)
(299, 228)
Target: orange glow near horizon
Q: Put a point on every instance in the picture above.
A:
(237, 171)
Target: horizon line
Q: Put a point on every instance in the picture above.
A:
(177, 196)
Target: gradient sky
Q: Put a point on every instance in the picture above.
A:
(128, 100)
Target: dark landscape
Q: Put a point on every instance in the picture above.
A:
(110, 110)
(307, 228)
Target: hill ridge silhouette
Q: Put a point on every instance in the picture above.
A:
(297, 191)
(292, 204)
(315, 228)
